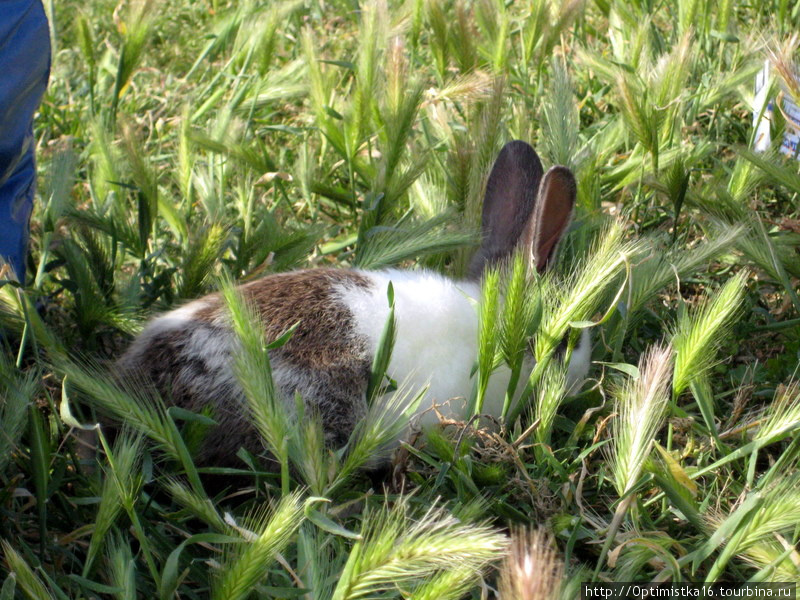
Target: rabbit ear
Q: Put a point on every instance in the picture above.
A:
(508, 203)
(551, 216)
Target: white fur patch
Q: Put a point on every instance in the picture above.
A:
(437, 339)
(579, 362)
(213, 345)
(437, 332)
(176, 319)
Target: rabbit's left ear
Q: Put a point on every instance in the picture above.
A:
(551, 216)
(508, 204)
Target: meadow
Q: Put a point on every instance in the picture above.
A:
(183, 145)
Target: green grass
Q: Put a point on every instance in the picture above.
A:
(182, 145)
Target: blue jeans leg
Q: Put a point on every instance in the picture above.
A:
(24, 70)
(16, 204)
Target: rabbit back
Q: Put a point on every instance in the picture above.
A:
(187, 355)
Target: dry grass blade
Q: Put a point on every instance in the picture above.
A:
(641, 406)
(777, 558)
(781, 56)
(532, 569)
(780, 512)
(783, 415)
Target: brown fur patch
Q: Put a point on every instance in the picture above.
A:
(323, 338)
(190, 363)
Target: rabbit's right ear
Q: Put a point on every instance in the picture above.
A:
(511, 193)
(551, 216)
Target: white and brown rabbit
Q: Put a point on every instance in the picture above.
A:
(187, 354)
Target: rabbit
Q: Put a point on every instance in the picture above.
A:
(187, 354)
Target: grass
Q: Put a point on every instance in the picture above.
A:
(182, 145)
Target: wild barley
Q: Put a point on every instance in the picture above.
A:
(532, 569)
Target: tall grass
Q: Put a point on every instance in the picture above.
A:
(185, 143)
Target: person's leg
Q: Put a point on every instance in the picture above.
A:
(24, 70)
(16, 203)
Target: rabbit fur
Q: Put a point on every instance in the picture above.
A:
(187, 354)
